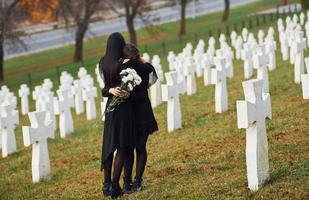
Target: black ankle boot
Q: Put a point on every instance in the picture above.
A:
(106, 189)
(137, 185)
(127, 187)
(115, 191)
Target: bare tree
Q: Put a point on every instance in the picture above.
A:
(182, 27)
(305, 4)
(284, 2)
(226, 10)
(78, 13)
(7, 25)
(130, 9)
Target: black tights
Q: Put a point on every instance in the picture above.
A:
(121, 155)
(141, 159)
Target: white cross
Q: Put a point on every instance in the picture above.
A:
(170, 94)
(37, 136)
(189, 72)
(103, 107)
(48, 106)
(271, 47)
(8, 121)
(260, 61)
(23, 94)
(63, 108)
(261, 37)
(207, 62)
(89, 95)
(251, 114)
(218, 77)
(99, 77)
(155, 94)
(299, 46)
(305, 85)
(78, 96)
(246, 55)
(38, 97)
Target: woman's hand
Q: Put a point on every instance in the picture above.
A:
(125, 94)
(116, 91)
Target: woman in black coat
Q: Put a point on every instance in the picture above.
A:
(119, 127)
(145, 122)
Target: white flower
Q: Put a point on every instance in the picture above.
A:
(125, 79)
(130, 87)
(130, 77)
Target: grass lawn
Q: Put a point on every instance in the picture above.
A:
(203, 160)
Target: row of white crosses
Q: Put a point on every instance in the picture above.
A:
(292, 36)
(9, 119)
(43, 120)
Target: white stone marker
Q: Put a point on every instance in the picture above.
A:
(37, 95)
(37, 135)
(170, 94)
(8, 121)
(23, 94)
(307, 64)
(218, 77)
(48, 106)
(260, 61)
(63, 108)
(238, 47)
(206, 65)
(305, 85)
(146, 57)
(261, 35)
(189, 72)
(103, 107)
(251, 114)
(247, 56)
(171, 60)
(299, 46)
(78, 96)
(89, 95)
(244, 34)
(271, 46)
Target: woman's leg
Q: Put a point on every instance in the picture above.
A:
(121, 155)
(108, 169)
(141, 156)
(107, 175)
(128, 166)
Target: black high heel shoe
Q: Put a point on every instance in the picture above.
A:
(127, 187)
(106, 189)
(137, 185)
(115, 191)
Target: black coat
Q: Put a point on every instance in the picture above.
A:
(119, 126)
(145, 121)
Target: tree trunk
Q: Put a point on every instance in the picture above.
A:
(226, 11)
(305, 4)
(131, 29)
(284, 2)
(79, 38)
(1, 57)
(182, 29)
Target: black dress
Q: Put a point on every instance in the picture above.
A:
(119, 126)
(143, 114)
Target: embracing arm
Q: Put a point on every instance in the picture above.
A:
(105, 92)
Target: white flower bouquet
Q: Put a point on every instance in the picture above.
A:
(129, 80)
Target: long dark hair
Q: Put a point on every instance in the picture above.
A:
(110, 62)
(131, 52)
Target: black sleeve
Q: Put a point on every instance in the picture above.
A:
(105, 92)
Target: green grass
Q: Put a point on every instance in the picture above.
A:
(203, 160)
